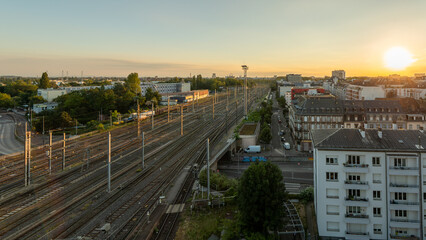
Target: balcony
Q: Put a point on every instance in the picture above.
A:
(404, 223)
(356, 201)
(404, 205)
(401, 187)
(408, 237)
(357, 235)
(402, 170)
(351, 184)
(357, 218)
(356, 168)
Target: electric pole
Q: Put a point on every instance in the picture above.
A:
(208, 170)
(152, 114)
(63, 153)
(143, 150)
(181, 120)
(139, 127)
(109, 161)
(168, 108)
(50, 152)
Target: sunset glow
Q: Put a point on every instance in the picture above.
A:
(398, 58)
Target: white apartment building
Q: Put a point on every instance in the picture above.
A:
(165, 87)
(370, 184)
(359, 92)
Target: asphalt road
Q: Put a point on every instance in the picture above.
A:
(8, 143)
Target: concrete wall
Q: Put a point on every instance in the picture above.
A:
(249, 140)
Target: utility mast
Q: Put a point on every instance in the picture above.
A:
(245, 68)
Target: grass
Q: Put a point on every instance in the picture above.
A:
(248, 129)
(201, 224)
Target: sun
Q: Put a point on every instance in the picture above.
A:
(398, 58)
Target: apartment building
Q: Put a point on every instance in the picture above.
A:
(370, 184)
(319, 112)
(165, 87)
(324, 112)
(339, 74)
(359, 92)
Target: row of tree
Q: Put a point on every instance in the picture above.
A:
(198, 82)
(87, 105)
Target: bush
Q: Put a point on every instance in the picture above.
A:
(100, 127)
(218, 182)
(307, 195)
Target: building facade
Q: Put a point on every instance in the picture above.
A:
(325, 112)
(339, 74)
(370, 184)
(358, 92)
(165, 87)
(294, 78)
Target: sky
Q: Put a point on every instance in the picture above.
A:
(179, 38)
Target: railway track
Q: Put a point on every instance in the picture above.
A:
(74, 207)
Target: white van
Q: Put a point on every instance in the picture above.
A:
(252, 149)
(286, 145)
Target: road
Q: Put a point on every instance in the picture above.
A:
(8, 143)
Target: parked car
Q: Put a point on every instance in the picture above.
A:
(279, 120)
(286, 146)
(282, 139)
(281, 132)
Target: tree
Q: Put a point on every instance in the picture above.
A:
(265, 133)
(152, 96)
(261, 194)
(6, 101)
(44, 81)
(65, 120)
(133, 83)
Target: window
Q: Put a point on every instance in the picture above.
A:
(377, 212)
(331, 160)
(400, 213)
(399, 162)
(400, 196)
(376, 195)
(354, 159)
(354, 192)
(354, 178)
(377, 228)
(332, 193)
(333, 226)
(376, 161)
(353, 209)
(401, 232)
(332, 176)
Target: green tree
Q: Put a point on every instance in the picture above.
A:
(65, 120)
(261, 194)
(152, 96)
(265, 133)
(44, 81)
(6, 100)
(133, 83)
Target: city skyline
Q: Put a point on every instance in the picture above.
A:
(165, 38)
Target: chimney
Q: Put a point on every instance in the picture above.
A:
(380, 133)
(421, 129)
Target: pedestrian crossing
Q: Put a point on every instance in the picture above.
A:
(293, 188)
